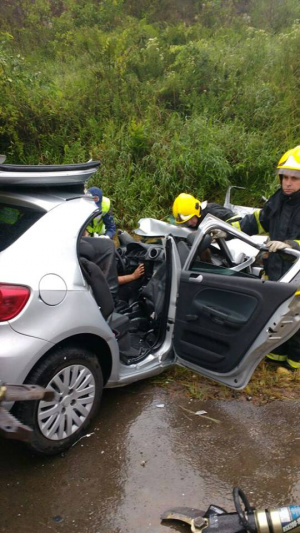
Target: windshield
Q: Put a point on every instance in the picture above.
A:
(14, 221)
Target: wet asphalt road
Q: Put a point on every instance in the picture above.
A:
(146, 452)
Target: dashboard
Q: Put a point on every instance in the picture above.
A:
(130, 256)
(145, 252)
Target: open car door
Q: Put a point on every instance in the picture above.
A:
(227, 318)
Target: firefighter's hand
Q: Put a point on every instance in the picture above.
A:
(218, 234)
(276, 246)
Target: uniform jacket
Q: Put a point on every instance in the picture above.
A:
(280, 218)
(218, 211)
(104, 224)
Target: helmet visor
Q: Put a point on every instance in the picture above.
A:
(289, 172)
(181, 219)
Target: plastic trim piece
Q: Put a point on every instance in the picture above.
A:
(45, 175)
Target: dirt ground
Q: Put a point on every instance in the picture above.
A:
(170, 441)
(153, 447)
(269, 382)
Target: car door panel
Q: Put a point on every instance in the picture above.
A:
(219, 317)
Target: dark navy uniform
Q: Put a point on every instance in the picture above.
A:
(280, 218)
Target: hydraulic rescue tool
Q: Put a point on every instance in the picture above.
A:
(245, 519)
(10, 427)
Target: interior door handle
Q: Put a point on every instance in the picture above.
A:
(220, 317)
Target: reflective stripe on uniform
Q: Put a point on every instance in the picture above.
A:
(276, 357)
(105, 206)
(97, 226)
(260, 228)
(293, 364)
(235, 225)
(233, 219)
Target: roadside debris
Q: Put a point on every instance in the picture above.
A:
(84, 437)
(200, 413)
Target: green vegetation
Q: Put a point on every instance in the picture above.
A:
(269, 382)
(170, 96)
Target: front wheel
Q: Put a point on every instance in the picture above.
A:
(74, 374)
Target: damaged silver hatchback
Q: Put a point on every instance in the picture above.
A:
(203, 304)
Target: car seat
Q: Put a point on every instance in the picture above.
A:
(146, 312)
(117, 322)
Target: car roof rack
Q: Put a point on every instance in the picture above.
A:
(47, 175)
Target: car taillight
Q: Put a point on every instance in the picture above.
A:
(12, 300)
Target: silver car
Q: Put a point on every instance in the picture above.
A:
(202, 303)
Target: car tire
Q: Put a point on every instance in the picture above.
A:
(76, 377)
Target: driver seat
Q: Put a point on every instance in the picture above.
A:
(145, 313)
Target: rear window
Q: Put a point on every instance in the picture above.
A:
(14, 221)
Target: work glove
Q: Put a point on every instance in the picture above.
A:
(218, 234)
(276, 246)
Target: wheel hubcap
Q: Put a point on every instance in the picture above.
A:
(74, 386)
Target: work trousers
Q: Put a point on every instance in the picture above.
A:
(288, 352)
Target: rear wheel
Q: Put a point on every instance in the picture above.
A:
(75, 376)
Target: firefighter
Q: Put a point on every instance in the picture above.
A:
(104, 224)
(280, 219)
(189, 211)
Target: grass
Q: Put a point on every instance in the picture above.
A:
(269, 382)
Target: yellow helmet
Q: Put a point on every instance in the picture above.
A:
(289, 163)
(185, 207)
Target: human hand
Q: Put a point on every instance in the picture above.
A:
(218, 234)
(276, 246)
(139, 271)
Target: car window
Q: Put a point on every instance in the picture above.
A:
(14, 221)
(201, 267)
(217, 260)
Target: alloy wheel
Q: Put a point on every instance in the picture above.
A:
(74, 388)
